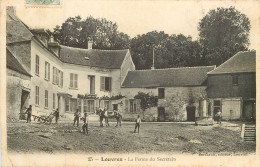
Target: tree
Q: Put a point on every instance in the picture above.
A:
(147, 101)
(76, 32)
(170, 50)
(223, 32)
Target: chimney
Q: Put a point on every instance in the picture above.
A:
(90, 43)
(54, 46)
(189, 38)
(11, 10)
(152, 68)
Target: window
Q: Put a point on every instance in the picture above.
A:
(47, 70)
(46, 98)
(85, 105)
(160, 93)
(79, 104)
(235, 79)
(54, 98)
(67, 104)
(73, 80)
(106, 103)
(92, 84)
(105, 83)
(37, 95)
(37, 65)
(54, 75)
(132, 105)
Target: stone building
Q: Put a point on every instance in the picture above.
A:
(181, 91)
(232, 87)
(54, 76)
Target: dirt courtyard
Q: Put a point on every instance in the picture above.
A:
(153, 138)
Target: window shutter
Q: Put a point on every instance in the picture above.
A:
(110, 83)
(45, 74)
(49, 72)
(76, 80)
(71, 80)
(102, 83)
(61, 78)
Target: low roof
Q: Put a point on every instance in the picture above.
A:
(240, 62)
(171, 77)
(14, 64)
(111, 59)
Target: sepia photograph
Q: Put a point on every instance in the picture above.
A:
(129, 82)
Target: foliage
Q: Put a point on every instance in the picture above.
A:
(147, 101)
(169, 50)
(76, 32)
(223, 32)
(116, 97)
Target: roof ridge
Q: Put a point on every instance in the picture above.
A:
(93, 49)
(175, 68)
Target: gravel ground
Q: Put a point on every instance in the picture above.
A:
(153, 138)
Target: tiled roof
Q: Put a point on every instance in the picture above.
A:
(172, 77)
(240, 62)
(14, 64)
(111, 59)
(16, 30)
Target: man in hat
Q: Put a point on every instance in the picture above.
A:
(29, 113)
(76, 117)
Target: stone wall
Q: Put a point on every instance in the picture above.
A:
(15, 83)
(178, 98)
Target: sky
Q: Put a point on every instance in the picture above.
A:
(139, 17)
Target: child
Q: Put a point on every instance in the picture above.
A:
(118, 117)
(85, 125)
(57, 115)
(76, 117)
(106, 117)
(138, 123)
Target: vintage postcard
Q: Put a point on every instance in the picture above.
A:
(129, 83)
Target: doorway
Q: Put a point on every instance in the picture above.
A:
(91, 107)
(191, 113)
(161, 114)
(24, 102)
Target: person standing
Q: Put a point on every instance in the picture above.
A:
(101, 116)
(85, 125)
(138, 123)
(57, 115)
(118, 117)
(106, 117)
(219, 116)
(76, 117)
(29, 113)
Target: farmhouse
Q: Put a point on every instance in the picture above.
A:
(232, 87)
(181, 92)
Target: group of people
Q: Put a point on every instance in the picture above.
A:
(103, 114)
